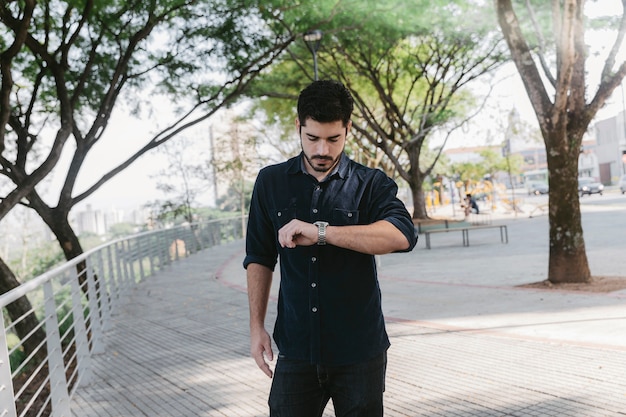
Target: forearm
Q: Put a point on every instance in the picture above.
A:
(375, 239)
(259, 279)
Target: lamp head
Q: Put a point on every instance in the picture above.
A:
(313, 39)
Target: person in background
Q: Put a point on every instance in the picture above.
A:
(325, 217)
(470, 205)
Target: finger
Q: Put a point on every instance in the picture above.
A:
(266, 370)
(263, 366)
(286, 239)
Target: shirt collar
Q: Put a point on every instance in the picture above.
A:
(341, 170)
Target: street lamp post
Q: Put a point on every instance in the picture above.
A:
(313, 39)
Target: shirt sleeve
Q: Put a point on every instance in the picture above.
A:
(260, 235)
(390, 208)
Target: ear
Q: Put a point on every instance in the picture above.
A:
(298, 127)
(348, 127)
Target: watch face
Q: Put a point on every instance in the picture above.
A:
(321, 232)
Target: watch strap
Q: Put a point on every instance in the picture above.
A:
(321, 232)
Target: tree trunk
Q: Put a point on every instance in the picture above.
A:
(68, 240)
(17, 309)
(57, 220)
(568, 258)
(419, 201)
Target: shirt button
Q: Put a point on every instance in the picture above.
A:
(349, 214)
(314, 309)
(313, 285)
(280, 214)
(314, 210)
(313, 259)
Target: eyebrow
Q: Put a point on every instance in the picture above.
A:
(312, 136)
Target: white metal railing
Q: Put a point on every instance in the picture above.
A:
(70, 308)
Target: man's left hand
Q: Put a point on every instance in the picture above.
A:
(297, 233)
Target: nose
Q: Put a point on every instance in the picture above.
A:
(322, 147)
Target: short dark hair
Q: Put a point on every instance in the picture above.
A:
(325, 101)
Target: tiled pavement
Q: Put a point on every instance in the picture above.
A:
(465, 341)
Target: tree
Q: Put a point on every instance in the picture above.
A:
(409, 74)
(182, 180)
(65, 65)
(236, 160)
(558, 88)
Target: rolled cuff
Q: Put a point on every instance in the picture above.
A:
(253, 259)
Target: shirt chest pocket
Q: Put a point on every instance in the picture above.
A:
(343, 217)
(283, 216)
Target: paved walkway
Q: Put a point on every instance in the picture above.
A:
(465, 340)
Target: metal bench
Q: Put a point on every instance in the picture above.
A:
(504, 234)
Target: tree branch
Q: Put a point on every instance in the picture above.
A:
(542, 45)
(239, 85)
(523, 59)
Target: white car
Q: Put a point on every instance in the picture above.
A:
(537, 187)
(587, 185)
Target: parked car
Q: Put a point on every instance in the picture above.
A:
(588, 185)
(537, 187)
(622, 184)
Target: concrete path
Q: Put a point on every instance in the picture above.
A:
(465, 340)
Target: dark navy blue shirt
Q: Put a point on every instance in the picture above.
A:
(329, 304)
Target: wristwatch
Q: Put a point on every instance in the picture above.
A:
(321, 232)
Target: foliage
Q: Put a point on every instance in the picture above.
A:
(236, 160)
(18, 355)
(65, 65)
(118, 230)
(37, 260)
(211, 213)
(237, 196)
(408, 72)
(179, 180)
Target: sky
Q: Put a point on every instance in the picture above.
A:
(124, 136)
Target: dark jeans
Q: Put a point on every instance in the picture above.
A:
(300, 389)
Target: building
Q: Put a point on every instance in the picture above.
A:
(99, 221)
(90, 221)
(590, 162)
(611, 148)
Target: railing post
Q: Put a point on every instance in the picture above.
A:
(101, 286)
(152, 250)
(131, 261)
(128, 273)
(7, 401)
(142, 274)
(203, 235)
(59, 392)
(83, 358)
(95, 313)
(119, 265)
(164, 252)
(108, 261)
(114, 275)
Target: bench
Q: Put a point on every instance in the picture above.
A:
(504, 234)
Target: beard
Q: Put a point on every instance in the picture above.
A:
(321, 163)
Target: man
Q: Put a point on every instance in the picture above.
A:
(326, 217)
(470, 205)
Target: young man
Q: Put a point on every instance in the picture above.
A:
(326, 217)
